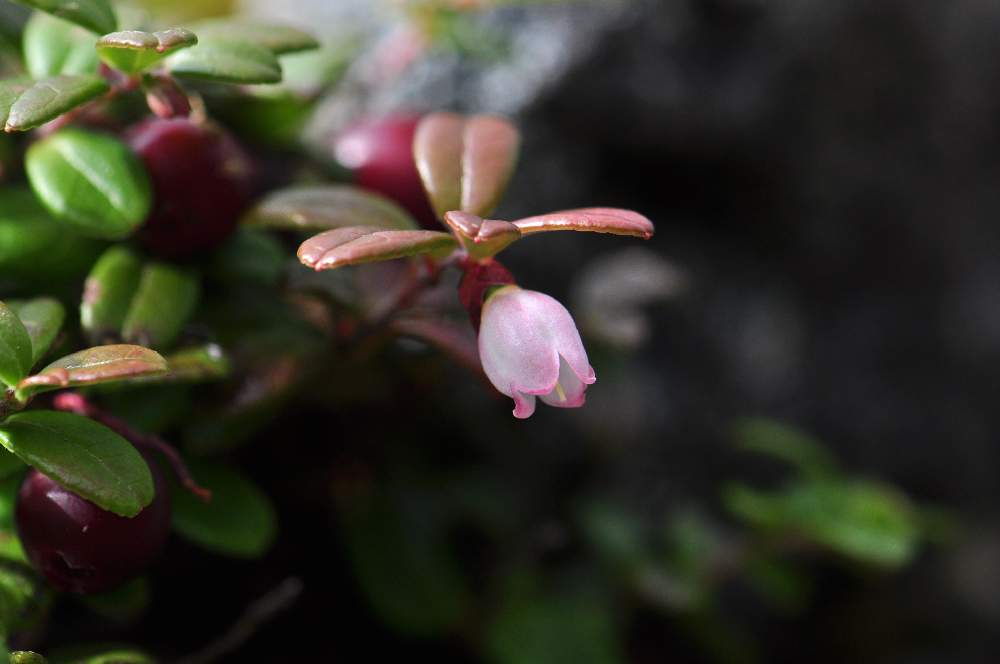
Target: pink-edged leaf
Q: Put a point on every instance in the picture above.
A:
(362, 244)
(489, 152)
(465, 163)
(595, 220)
(324, 207)
(480, 237)
(100, 364)
(437, 149)
(455, 338)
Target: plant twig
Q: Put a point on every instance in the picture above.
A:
(261, 611)
(74, 402)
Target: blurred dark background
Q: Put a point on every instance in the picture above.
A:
(825, 185)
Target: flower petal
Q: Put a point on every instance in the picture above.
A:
(515, 344)
(524, 405)
(569, 392)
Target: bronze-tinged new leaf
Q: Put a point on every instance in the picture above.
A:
(362, 244)
(325, 207)
(133, 51)
(465, 163)
(482, 237)
(489, 153)
(594, 220)
(28, 105)
(279, 39)
(100, 364)
(437, 149)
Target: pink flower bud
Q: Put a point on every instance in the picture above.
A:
(529, 346)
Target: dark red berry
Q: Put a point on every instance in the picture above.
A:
(79, 547)
(380, 153)
(202, 182)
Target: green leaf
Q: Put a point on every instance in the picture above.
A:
(571, 628)
(82, 455)
(34, 247)
(92, 366)
(27, 657)
(239, 521)
(95, 15)
(15, 347)
(10, 544)
(318, 208)
(786, 444)
(42, 318)
(108, 293)
(26, 105)
(122, 604)
(402, 560)
(165, 300)
(862, 520)
(251, 257)
(227, 61)
(101, 654)
(91, 181)
(355, 245)
(279, 39)
(18, 589)
(53, 46)
(133, 51)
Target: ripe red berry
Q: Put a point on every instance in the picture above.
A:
(380, 153)
(202, 182)
(79, 547)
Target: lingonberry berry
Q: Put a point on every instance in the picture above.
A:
(79, 547)
(380, 154)
(202, 182)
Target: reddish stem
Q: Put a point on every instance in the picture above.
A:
(74, 402)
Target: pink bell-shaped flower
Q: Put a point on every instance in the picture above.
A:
(529, 346)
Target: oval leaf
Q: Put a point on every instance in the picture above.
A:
(133, 51)
(239, 521)
(108, 293)
(227, 61)
(359, 244)
(35, 104)
(482, 237)
(279, 39)
(82, 455)
(594, 220)
(324, 207)
(100, 364)
(95, 15)
(42, 318)
(165, 300)
(15, 347)
(437, 150)
(465, 163)
(52, 46)
(91, 181)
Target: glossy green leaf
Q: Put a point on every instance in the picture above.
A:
(355, 245)
(9, 464)
(42, 318)
(18, 588)
(239, 521)
(786, 444)
(34, 247)
(101, 654)
(10, 483)
(325, 207)
(27, 657)
(465, 163)
(279, 39)
(122, 604)
(133, 51)
(52, 46)
(227, 61)
(197, 364)
(166, 298)
(15, 347)
(100, 364)
(95, 15)
(82, 455)
(108, 293)
(25, 105)
(861, 520)
(91, 181)
(251, 257)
